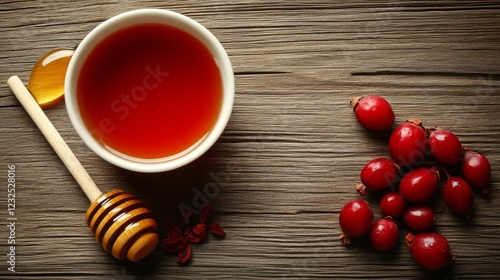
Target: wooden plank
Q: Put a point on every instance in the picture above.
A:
(292, 151)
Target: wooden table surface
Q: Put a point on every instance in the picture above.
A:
(292, 152)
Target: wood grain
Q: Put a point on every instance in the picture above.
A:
(292, 151)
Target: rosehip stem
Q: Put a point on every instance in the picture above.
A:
(436, 167)
(443, 170)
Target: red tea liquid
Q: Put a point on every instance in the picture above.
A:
(149, 91)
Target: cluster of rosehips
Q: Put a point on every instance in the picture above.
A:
(408, 181)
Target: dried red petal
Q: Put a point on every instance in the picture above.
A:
(200, 230)
(174, 244)
(191, 236)
(194, 238)
(217, 230)
(184, 256)
(172, 229)
(205, 213)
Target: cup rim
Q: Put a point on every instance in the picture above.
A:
(144, 16)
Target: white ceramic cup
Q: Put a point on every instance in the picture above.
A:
(157, 16)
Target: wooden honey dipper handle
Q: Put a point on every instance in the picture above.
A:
(54, 138)
(119, 221)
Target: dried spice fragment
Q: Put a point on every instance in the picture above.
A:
(191, 237)
(200, 230)
(174, 244)
(178, 238)
(217, 230)
(184, 256)
(205, 213)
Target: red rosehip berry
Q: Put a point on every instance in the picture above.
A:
(419, 184)
(408, 143)
(430, 250)
(377, 174)
(458, 196)
(476, 169)
(384, 234)
(445, 146)
(355, 219)
(373, 112)
(392, 204)
(419, 218)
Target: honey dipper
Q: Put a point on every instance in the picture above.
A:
(120, 222)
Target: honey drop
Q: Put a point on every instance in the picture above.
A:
(46, 82)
